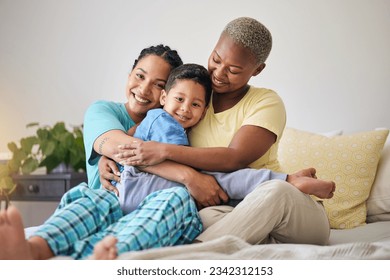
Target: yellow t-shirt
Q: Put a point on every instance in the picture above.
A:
(260, 107)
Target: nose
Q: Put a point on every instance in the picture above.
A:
(145, 88)
(220, 70)
(185, 107)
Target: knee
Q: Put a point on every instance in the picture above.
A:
(180, 192)
(278, 188)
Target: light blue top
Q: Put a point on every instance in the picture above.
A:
(100, 117)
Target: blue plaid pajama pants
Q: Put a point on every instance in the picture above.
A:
(85, 216)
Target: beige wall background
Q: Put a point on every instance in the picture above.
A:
(330, 61)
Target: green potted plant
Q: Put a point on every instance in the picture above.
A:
(51, 147)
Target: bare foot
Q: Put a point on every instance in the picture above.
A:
(105, 249)
(306, 181)
(13, 243)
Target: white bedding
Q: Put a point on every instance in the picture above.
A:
(230, 247)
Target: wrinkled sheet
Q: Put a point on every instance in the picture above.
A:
(230, 247)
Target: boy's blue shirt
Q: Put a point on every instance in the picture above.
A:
(160, 126)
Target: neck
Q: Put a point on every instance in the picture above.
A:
(225, 101)
(135, 117)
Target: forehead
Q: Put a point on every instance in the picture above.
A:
(231, 52)
(189, 88)
(154, 66)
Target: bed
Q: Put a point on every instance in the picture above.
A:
(359, 213)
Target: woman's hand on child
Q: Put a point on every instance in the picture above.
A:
(108, 172)
(206, 190)
(141, 153)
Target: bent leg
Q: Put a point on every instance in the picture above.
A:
(165, 218)
(277, 211)
(82, 212)
(136, 185)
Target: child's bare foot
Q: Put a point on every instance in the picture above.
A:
(306, 181)
(13, 244)
(308, 172)
(105, 249)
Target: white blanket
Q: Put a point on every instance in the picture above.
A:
(230, 247)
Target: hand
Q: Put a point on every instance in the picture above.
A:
(140, 153)
(206, 190)
(306, 181)
(109, 172)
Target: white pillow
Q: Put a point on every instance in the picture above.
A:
(378, 203)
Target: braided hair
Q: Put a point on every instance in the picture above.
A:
(165, 52)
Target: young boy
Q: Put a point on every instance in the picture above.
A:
(184, 100)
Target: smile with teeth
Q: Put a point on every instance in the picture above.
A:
(140, 99)
(182, 118)
(217, 81)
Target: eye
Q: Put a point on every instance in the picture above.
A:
(140, 76)
(216, 60)
(160, 86)
(180, 99)
(196, 105)
(233, 72)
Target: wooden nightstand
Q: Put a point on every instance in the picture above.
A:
(47, 187)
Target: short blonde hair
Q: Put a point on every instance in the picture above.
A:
(251, 34)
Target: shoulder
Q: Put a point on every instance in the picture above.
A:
(262, 94)
(155, 113)
(261, 99)
(104, 106)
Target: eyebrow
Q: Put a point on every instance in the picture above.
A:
(236, 66)
(196, 98)
(143, 71)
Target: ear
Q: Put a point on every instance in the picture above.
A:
(163, 96)
(258, 69)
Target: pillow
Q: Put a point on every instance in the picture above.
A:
(348, 160)
(378, 204)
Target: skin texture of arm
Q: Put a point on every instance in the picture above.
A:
(204, 188)
(107, 143)
(248, 144)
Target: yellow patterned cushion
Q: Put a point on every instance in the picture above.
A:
(348, 160)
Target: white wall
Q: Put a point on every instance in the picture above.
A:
(330, 61)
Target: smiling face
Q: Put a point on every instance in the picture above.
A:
(144, 86)
(185, 102)
(231, 66)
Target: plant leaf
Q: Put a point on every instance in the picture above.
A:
(12, 146)
(32, 124)
(29, 165)
(4, 171)
(48, 148)
(7, 185)
(27, 143)
(50, 163)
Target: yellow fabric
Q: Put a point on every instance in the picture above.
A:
(259, 107)
(348, 160)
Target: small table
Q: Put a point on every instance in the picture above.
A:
(45, 187)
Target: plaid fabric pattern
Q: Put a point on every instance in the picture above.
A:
(85, 216)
